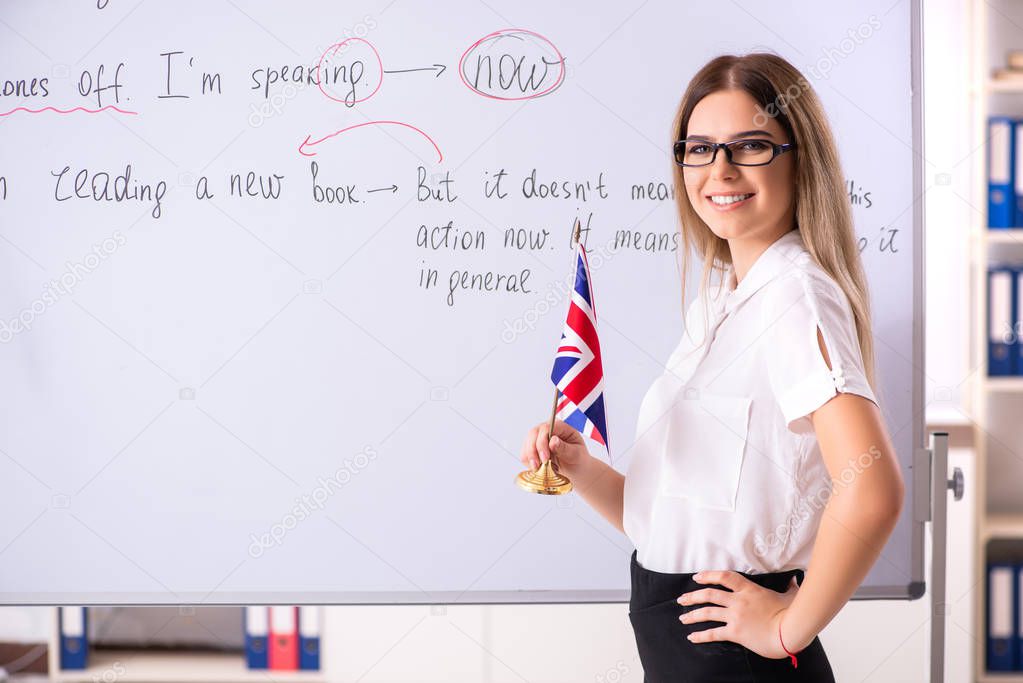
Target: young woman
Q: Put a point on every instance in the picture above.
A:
(761, 455)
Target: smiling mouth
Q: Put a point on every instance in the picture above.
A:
(729, 199)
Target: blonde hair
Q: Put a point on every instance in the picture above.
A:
(822, 211)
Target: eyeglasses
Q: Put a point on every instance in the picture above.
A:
(748, 152)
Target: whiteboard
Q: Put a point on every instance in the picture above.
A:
(272, 340)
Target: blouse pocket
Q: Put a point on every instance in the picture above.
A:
(704, 448)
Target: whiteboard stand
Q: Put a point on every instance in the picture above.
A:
(940, 484)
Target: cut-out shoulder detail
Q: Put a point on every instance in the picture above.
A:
(824, 349)
(814, 352)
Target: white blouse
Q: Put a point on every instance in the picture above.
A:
(726, 471)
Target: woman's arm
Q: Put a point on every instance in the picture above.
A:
(601, 486)
(867, 496)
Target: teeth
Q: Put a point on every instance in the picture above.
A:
(729, 199)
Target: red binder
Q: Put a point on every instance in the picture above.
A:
(283, 653)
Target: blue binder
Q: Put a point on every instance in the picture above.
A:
(1017, 173)
(1002, 616)
(1018, 329)
(1001, 201)
(74, 640)
(1019, 617)
(309, 637)
(257, 626)
(1003, 345)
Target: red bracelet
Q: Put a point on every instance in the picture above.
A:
(792, 655)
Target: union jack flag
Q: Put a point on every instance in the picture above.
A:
(578, 372)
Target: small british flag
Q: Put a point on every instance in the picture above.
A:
(578, 372)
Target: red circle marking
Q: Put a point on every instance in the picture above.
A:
(561, 62)
(332, 50)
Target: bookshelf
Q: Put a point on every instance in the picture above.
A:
(995, 27)
(146, 666)
(160, 665)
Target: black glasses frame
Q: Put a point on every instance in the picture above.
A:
(679, 148)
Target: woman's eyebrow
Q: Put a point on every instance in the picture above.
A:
(736, 136)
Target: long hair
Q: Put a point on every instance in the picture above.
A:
(822, 211)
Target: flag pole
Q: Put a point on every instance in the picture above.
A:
(557, 392)
(546, 479)
(554, 413)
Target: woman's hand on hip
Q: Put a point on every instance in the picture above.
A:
(751, 613)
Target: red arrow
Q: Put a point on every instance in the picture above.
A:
(307, 143)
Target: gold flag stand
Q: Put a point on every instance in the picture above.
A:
(546, 479)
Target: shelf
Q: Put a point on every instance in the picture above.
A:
(147, 666)
(1004, 384)
(1002, 526)
(1001, 677)
(1002, 235)
(1005, 86)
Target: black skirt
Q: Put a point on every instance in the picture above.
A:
(669, 657)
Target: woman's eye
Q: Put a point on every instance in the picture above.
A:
(698, 149)
(754, 146)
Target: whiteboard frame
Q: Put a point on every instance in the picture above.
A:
(918, 506)
(920, 498)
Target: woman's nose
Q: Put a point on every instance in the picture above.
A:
(722, 168)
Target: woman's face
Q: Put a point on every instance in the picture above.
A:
(767, 192)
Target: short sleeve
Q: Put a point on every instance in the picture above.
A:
(795, 307)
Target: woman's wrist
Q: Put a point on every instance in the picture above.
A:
(791, 640)
(580, 472)
(789, 652)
